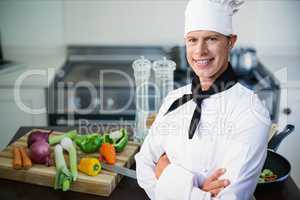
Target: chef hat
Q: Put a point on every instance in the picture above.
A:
(211, 15)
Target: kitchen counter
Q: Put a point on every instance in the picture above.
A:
(126, 189)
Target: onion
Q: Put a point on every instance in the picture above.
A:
(37, 136)
(40, 153)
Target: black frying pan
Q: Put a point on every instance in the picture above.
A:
(275, 162)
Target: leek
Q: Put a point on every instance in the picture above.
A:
(55, 139)
(67, 144)
(63, 176)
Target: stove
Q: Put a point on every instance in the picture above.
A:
(96, 83)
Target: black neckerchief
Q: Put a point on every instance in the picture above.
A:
(225, 81)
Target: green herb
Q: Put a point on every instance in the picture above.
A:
(267, 176)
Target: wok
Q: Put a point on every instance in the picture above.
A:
(276, 162)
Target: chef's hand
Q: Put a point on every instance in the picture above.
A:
(213, 185)
(161, 164)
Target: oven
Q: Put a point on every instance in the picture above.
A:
(96, 85)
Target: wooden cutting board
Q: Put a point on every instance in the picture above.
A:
(102, 185)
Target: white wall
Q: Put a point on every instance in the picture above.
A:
(31, 28)
(278, 26)
(271, 26)
(124, 22)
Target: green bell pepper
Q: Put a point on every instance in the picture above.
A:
(89, 143)
(118, 139)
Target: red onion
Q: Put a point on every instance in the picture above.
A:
(37, 136)
(40, 153)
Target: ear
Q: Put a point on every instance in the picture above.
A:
(232, 41)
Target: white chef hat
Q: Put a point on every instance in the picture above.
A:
(211, 15)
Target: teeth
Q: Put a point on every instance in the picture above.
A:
(203, 62)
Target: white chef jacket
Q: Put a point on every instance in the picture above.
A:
(232, 134)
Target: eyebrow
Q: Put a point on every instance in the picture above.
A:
(189, 37)
(214, 35)
(205, 37)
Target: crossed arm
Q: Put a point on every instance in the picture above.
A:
(164, 180)
(213, 184)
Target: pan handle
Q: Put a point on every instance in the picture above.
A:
(277, 139)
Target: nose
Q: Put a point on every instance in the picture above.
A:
(201, 49)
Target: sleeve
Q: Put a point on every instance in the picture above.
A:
(149, 154)
(177, 183)
(243, 160)
(246, 156)
(146, 160)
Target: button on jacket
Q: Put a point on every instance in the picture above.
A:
(232, 134)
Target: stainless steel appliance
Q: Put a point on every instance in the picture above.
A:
(97, 84)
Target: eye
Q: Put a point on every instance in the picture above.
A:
(212, 39)
(192, 40)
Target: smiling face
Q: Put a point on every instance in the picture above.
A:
(208, 52)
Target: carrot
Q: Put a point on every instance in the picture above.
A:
(108, 151)
(17, 159)
(26, 162)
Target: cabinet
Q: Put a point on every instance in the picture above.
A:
(16, 112)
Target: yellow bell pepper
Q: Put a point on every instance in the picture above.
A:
(89, 166)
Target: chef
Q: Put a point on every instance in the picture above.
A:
(209, 138)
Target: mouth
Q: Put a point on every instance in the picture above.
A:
(202, 63)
